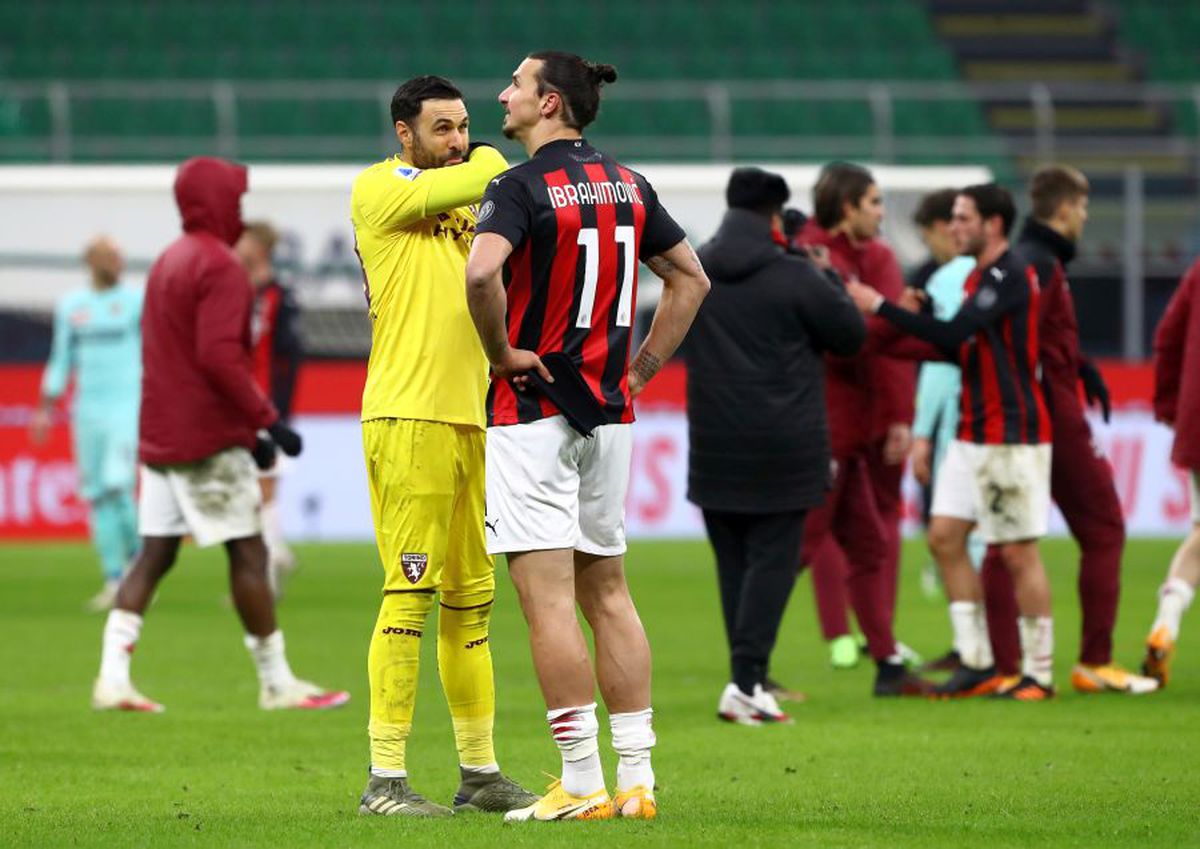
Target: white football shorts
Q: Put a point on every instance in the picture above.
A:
(215, 499)
(550, 488)
(1004, 489)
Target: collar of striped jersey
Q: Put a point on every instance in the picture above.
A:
(563, 145)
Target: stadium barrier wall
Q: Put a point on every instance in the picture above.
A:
(64, 206)
(324, 492)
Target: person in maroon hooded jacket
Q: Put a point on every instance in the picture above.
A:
(1177, 404)
(204, 425)
(852, 540)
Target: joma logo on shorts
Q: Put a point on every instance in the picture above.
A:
(474, 644)
(401, 632)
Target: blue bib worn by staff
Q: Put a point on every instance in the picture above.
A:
(98, 341)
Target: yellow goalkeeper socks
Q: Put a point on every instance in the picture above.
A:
(392, 666)
(465, 665)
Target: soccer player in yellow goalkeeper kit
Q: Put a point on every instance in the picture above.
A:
(423, 437)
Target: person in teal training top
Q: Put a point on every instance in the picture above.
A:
(98, 340)
(935, 421)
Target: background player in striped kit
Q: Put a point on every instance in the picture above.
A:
(1081, 479)
(98, 341)
(278, 349)
(554, 269)
(997, 473)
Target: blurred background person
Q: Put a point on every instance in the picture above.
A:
(852, 541)
(277, 352)
(1177, 405)
(98, 341)
(756, 344)
(203, 428)
(935, 418)
(1081, 479)
(996, 474)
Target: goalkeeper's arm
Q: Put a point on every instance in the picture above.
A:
(393, 203)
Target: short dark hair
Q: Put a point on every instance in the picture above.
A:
(1052, 185)
(757, 190)
(838, 184)
(406, 102)
(935, 206)
(577, 80)
(993, 199)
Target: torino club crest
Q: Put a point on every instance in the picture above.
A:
(414, 566)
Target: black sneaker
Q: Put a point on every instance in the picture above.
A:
(490, 792)
(948, 662)
(894, 679)
(967, 682)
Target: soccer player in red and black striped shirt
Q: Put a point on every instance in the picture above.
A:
(1081, 478)
(553, 268)
(997, 472)
(276, 355)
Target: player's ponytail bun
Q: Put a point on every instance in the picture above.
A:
(577, 80)
(602, 73)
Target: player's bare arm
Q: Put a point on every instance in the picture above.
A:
(685, 286)
(488, 304)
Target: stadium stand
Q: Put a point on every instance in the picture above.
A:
(902, 81)
(172, 40)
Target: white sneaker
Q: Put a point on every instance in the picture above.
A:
(103, 601)
(300, 695)
(107, 696)
(759, 709)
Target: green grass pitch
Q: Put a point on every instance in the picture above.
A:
(852, 771)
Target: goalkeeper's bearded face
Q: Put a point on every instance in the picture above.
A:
(438, 136)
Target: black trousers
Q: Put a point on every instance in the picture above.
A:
(757, 557)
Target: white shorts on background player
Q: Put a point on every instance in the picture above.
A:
(215, 500)
(1195, 479)
(1004, 489)
(550, 488)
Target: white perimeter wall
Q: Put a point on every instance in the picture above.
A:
(52, 211)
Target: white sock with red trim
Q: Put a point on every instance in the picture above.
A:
(121, 632)
(575, 730)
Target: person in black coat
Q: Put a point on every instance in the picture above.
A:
(759, 453)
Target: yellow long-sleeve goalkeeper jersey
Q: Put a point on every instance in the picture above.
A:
(413, 230)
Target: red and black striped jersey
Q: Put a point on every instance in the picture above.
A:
(578, 222)
(277, 349)
(1002, 399)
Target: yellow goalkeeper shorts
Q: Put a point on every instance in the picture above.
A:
(427, 500)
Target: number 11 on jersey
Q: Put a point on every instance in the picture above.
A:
(589, 240)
